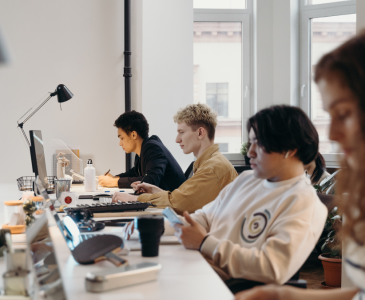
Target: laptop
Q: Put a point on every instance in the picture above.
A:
(47, 277)
(67, 226)
(70, 231)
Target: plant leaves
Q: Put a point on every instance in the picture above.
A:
(331, 233)
(328, 226)
(336, 217)
(324, 247)
(336, 251)
(334, 211)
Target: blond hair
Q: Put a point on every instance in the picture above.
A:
(198, 115)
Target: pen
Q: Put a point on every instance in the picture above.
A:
(135, 192)
(107, 172)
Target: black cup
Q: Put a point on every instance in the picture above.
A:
(150, 229)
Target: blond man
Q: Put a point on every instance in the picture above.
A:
(211, 172)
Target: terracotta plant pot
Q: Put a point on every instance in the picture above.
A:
(332, 270)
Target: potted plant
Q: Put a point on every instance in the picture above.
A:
(244, 150)
(331, 249)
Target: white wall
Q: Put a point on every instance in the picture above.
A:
(285, 40)
(360, 12)
(264, 55)
(77, 43)
(162, 62)
(277, 51)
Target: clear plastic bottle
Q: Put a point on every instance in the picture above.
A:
(89, 174)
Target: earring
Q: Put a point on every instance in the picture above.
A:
(286, 154)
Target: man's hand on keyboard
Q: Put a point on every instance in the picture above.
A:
(128, 230)
(123, 197)
(146, 188)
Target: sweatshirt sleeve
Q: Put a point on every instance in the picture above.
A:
(289, 241)
(130, 173)
(193, 194)
(204, 215)
(127, 178)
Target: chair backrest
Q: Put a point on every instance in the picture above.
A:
(188, 170)
(328, 200)
(239, 169)
(238, 285)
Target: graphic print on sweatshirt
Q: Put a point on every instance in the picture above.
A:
(254, 226)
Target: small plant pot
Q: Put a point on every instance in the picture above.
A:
(247, 160)
(332, 270)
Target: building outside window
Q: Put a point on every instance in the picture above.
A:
(217, 98)
(223, 147)
(325, 24)
(222, 69)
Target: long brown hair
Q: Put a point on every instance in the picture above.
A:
(347, 63)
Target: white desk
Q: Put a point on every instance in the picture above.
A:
(185, 273)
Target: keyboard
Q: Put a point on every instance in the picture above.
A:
(86, 211)
(114, 207)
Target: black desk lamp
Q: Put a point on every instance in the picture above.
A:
(63, 95)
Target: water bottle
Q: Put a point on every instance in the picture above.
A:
(89, 174)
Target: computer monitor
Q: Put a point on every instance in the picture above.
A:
(37, 156)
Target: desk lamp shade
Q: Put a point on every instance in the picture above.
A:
(63, 93)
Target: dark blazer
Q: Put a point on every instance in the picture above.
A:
(158, 163)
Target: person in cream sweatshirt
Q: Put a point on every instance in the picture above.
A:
(261, 230)
(263, 225)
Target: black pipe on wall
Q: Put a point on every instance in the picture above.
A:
(127, 67)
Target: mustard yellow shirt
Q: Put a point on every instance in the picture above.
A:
(212, 172)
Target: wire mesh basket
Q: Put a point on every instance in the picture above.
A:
(25, 183)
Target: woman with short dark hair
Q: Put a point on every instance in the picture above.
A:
(282, 128)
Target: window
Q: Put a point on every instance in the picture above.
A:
(223, 147)
(220, 4)
(217, 98)
(314, 2)
(222, 66)
(322, 30)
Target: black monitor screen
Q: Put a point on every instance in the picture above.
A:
(37, 155)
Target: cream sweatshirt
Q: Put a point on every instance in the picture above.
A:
(261, 230)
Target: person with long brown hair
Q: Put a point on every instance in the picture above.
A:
(340, 76)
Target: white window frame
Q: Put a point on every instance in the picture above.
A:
(247, 87)
(307, 12)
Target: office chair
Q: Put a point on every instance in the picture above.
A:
(188, 170)
(238, 285)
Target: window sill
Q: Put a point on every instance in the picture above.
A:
(332, 159)
(236, 159)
